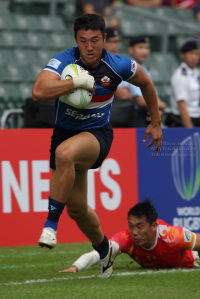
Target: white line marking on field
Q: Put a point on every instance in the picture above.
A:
(57, 264)
(151, 272)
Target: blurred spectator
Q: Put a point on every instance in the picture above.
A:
(197, 10)
(122, 111)
(180, 4)
(139, 50)
(184, 3)
(185, 89)
(144, 3)
(112, 40)
(112, 46)
(101, 7)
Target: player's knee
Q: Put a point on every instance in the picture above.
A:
(64, 155)
(77, 213)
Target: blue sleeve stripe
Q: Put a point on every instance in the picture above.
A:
(49, 69)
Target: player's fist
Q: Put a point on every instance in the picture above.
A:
(84, 80)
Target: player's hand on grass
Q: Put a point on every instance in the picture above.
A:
(72, 269)
(155, 130)
(84, 80)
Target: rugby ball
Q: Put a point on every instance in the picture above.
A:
(78, 98)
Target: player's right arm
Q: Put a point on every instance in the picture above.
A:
(89, 259)
(85, 261)
(48, 85)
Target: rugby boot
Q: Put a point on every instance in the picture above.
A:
(106, 264)
(48, 238)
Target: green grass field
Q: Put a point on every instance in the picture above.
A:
(31, 272)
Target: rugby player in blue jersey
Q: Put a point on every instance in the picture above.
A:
(82, 137)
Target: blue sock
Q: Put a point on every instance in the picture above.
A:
(51, 224)
(55, 210)
(102, 248)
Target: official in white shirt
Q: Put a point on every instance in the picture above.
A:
(185, 89)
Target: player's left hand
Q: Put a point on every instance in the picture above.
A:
(155, 130)
(72, 269)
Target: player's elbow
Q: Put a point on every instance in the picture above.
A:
(36, 94)
(147, 82)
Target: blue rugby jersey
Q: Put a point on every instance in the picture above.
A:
(110, 72)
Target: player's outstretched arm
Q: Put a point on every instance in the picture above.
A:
(48, 85)
(85, 261)
(142, 80)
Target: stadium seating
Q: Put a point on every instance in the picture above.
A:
(43, 56)
(52, 24)
(23, 57)
(15, 74)
(164, 93)
(25, 90)
(167, 61)
(9, 97)
(3, 9)
(37, 40)
(6, 56)
(25, 23)
(61, 41)
(9, 39)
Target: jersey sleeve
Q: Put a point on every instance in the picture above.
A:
(187, 240)
(181, 238)
(124, 240)
(87, 260)
(179, 87)
(127, 67)
(58, 63)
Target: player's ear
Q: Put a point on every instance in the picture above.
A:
(104, 37)
(154, 225)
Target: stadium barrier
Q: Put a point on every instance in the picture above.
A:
(131, 172)
(172, 178)
(25, 178)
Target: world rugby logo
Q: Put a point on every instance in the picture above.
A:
(185, 163)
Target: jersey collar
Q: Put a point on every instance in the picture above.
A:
(190, 71)
(156, 241)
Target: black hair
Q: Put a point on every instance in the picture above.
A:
(145, 208)
(89, 21)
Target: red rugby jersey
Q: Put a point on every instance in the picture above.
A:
(172, 248)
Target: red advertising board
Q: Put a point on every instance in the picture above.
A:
(25, 181)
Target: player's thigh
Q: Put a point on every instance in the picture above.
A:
(83, 149)
(77, 200)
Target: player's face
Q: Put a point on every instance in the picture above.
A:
(191, 58)
(112, 44)
(142, 233)
(90, 44)
(139, 52)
